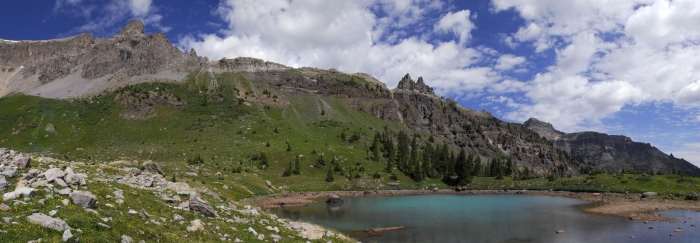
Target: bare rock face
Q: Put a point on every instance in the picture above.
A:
(131, 53)
(611, 152)
(83, 199)
(202, 207)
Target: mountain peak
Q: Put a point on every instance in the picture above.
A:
(543, 128)
(407, 83)
(133, 28)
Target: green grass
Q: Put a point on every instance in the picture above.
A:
(224, 133)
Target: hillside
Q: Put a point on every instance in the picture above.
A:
(614, 153)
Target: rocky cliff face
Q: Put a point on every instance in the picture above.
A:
(611, 152)
(84, 64)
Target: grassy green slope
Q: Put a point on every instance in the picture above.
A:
(224, 133)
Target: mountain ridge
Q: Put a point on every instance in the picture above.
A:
(612, 152)
(82, 65)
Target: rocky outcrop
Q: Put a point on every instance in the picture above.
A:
(48, 222)
(96, 63)
(202, 207)
(334, 199)
(611, 152)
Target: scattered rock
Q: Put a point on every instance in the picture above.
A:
(648, 194)
(50, 128)
(48, 222)
(126, 239)
(202, 207)
(334, 199)
(3, 183)
(31, 174)
(53, 173)
(65, 191)
(692, 196)
(65, 202)
(268, 183)
(4, 207)
(9, 172)
(75, 179)
(435, 189)
(53, 212)
(251, 230)
(66, 235)
(177, 217)
(144, 214)
(83, 199)
(560, 231)
(261, 237)
(61, 182)
(151, 167)
(679, 230)
(103, 225)
(329, 233)
(197, 224)
(131, 211)
(22, 161)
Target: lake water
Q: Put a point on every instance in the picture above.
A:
(488, 218)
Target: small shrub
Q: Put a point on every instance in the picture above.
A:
(376, 175)
(393, 177)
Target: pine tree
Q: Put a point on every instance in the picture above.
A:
(263, 161)
(288, 171)
(329, 175)
(289, 147)
(402, 152)
(375, 147)
(297, 166)
(320, 162)
(461, 169)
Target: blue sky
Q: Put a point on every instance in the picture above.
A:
(621, 67)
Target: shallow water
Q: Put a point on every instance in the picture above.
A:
(488, 218)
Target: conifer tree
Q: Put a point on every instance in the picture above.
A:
(297, 166)
(329, 175)
(288, 171)
(375, 147)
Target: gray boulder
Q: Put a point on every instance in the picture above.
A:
(61, 182)
(3, 183)
(65, 191)
(202, 207)
(151, 167)
(648, 194)
(692, 196)
(66, 235)
(9, 172)
(53, 174)
(22, 161)
(48, 222)
(33, 173)
(75, 179)
(334, 199)
(83, 199)
(126, 239)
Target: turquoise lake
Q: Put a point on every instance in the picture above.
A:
(488, 218)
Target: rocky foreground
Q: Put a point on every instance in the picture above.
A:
(104, 202)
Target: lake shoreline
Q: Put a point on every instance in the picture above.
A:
(630, 206)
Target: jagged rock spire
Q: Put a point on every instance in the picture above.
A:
(133, 28)
(407, 83)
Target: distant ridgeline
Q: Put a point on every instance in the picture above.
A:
(613, 153)
(136, 95)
